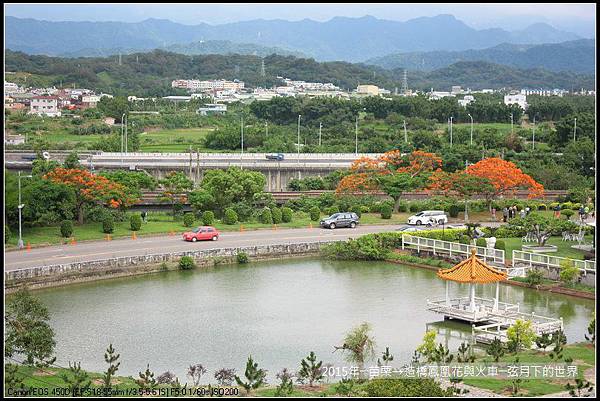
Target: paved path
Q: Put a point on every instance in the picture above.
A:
(96, 250)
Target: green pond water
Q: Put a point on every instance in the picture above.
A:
(276, 311)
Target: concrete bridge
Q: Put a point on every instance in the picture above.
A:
(277, 173)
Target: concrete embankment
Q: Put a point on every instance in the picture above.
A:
(62, 274)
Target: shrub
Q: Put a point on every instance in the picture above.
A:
(66, 228)
(356, 209)
(500, 244)
(566, 205)
(453, 210)
(277, 215)
(265, 216)
(7, 233)
(386, 211)
(188, 219)
(568, 272)
(405, 387)
(108, 224)
(286, 215)
(534, 277)
(331, 210)
(481, 242)
(553, 205)
(567, 213)
(242, 258)
(403, 207)
(230, 217)
(576, 206)
(315, 213)
(414, 207)
(542, 206)
(135, 222)
(208, 218)
(367, 247)
(186, 263)
(364, 209)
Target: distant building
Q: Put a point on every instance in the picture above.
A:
(194, 85)
(178, 98)
(435, 95)
(44, 105)
(516, 98)
(466, 100)
(110, 121)
(456, 90)
(368, 90)
(89, 101)
(212, 109)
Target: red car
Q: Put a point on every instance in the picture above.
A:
(202, 233)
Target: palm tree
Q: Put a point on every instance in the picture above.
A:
(361, 345)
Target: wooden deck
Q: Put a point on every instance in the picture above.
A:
(487, 323)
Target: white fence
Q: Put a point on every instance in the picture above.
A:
(538, 259)
(492, 255)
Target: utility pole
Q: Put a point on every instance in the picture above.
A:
(20, 206)
(320, 127)
(125, 134)
(471, 129)
(511, 124)
(298, 157)
(266, 129)
(356, 136)
(242, 135)
(451, 130)
(575, 130)
(533, 140)
(405, 134)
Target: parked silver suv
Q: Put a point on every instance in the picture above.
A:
(336, 220)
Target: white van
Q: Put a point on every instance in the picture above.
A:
(428, 217)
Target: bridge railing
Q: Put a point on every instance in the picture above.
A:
(495, 256)
(538, 259)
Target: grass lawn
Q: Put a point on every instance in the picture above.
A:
(173, 140)
(564, 247)
(161, 223)
(583, 355)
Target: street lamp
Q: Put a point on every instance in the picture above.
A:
(299, 115)
(471, 117)
(320, 127)
(451, 118)
(356, 136)
(405, 134)
(511, 124)
(533, 138)
(574, 129)
(242, 137)
(20, 206)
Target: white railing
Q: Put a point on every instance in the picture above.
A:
(495, 256)
(538, 259)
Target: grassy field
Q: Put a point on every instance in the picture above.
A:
(564, 247)
(173, 140)
(161, 223)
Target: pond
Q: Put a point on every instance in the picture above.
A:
(276, 311)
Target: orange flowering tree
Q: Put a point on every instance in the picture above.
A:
(505, 178)
(91, 189)
(392, 173)
(459, 185)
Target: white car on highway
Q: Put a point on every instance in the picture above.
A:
(428, 217)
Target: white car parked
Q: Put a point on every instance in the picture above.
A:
(428, 217)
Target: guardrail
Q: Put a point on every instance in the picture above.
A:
(539, 259)
(438, 246)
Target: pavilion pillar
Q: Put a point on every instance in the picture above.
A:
(472, 296)
(447, 297)
(497, 296)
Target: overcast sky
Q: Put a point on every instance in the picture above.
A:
(577, 18)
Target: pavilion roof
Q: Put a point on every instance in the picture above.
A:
(472, 270)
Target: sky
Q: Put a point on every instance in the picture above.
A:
(577, 18)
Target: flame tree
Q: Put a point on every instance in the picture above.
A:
(393, 173)
(91, 189)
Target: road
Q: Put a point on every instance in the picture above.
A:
(97, 250)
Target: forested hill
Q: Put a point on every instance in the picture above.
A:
(150, 74)
(575, 56)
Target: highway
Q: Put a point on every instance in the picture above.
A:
(97, 250)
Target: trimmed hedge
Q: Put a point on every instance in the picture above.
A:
(332, 210)
(188, 219)
(386, 211)
(500, 244)
(135, 222)
(208, 218)
(66, 228)
(277, 215)
(315, 213)
(230, 217)
(481, 242)
(265, 216)
(186, 263)
(286, 215)
(453, 210)
(108, 224)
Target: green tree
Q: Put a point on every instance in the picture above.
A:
(496, 349)
(397, 183)
(591, 331)
(135, 222)
(286, 387)
(581, 386)
(112, 358)
(72, 161)
(28, 331)
(427, 347)
(227, 186)
(146, 379)
(520, 335)
(195, 372)
(360, 344)
(77, 380)
(114, 107)
(255, 377)
(310, 369)
(386, 356)
(175, 189)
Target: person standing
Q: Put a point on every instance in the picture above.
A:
(581, 213)
(557, 211)
(527, 210)
(522, 213)
(494, 213)
(505, 214)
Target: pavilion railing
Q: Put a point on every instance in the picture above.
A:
(492, 255)
(538, 259)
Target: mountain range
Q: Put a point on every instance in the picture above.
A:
(576, 56)
(340, 38)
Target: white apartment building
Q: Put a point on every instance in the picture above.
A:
(196, 85)
(466, 100)
(516, 98)
(44, 105)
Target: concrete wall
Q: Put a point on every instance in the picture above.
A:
(53, 275)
